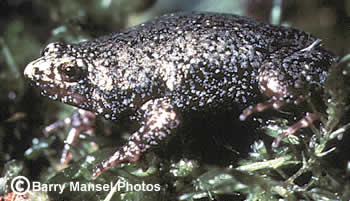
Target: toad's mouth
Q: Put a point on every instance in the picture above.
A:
(62, 93)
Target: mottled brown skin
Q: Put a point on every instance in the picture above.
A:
(179, 63)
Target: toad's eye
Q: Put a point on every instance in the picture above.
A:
(70, 73)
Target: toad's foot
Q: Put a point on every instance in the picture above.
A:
(302, 123)
(81, 121)
(277, 104)
(260, 107)
(159, 119)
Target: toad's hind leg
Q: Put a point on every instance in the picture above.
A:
(159, 119)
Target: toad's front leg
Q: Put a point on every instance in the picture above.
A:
(159, 119)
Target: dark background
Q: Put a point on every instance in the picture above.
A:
(26, 26)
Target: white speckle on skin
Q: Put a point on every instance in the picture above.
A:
(308, 78)
(80, 63)
(273, 85)
(101, 76)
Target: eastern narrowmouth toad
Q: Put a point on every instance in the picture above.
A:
(159, 71)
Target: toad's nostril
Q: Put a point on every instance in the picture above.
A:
(36, 71)
(32, 71)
